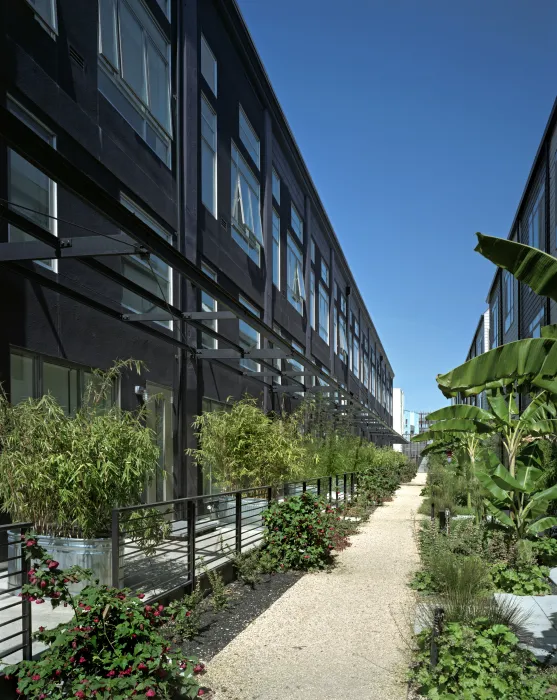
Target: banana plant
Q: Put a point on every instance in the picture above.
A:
(461, 428)
(519, 501)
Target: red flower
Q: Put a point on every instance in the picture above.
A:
(111, 673)
(150, 693)
(72, 659)
(41, 629)
(198, 668)
(148, 608)
(161, 607)
(82, 659)
(39, 601)
(53, 564)
(201, 691)
(35, 677)
(31, 543)
(142, 667)
(141, 596)
(80, 694)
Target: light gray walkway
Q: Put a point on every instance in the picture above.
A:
(337, 635)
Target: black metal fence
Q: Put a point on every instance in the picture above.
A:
(15, 613)
(162, 547)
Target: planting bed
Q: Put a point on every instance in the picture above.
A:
(245, 604)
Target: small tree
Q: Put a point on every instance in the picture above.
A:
(66, 474)
(244, 447)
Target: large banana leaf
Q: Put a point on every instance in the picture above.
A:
(499, 514)
(535, 268)
(489, 485)
(460, 425)
(461, 410)
(504, 407)
(533, 361)
(549, 494)
(541, 525)
(503, 478)
(528, 477)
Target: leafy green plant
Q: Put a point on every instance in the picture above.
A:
(66, 474)
(219, 595)
(112, 647)
(300, 533)
(532, 580)
(545, 551)
(423, 581)
(242, 446)
(458, 574)
(184, 615)
(247, 566)
(477, 661)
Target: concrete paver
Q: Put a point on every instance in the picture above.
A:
(342, 634)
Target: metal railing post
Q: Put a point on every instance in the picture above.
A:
(438, 618)
(238, 522)
(319, 486)
(336, 488)
(304, 486)
(330, 489)
(26, 626)
(432, 512)
(352, 486)
(344, 486)
(191, 507)
(115, 548)
(269, 494)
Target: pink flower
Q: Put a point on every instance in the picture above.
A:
(35, 677)
(201, 691)
(53, 564)
(80, 694)
(111, 673)
(43, 584)
(31, 543)
(141, 596)
(142, 667)
(150, 693)
(82, 659)
(39, 601)
(198, 668)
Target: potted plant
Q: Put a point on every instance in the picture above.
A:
(65, 474)
(242, 448)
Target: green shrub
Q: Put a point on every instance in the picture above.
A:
(477, 661)
(184, 615)
(545, 551)
(531, 580)
(248, 567)
(300, 533)
(457, 574)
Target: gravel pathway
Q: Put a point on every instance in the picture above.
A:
(338, 635)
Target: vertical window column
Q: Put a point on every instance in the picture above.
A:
(208, 156)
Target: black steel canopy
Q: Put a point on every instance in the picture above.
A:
(139, 239)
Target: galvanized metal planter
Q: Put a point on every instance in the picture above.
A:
(94, 554)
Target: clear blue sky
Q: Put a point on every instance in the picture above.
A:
(419, 121)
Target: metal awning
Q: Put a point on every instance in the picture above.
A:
(139, 239)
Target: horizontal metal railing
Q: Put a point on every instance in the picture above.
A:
(16, 623)
(162, 547)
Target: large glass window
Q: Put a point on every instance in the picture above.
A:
(33, 376)
(208, 65)
(325, 272)
(46, 11)
(276, 249)
(536, 325)
(249, 138)
(209, 304)
(135, 70)
(250, 339)
(342, 339)
(508, 295)
(31, 193)
(208, 156)
(295, 275)
(151, 273)
(335, 330)
(536, 223)
(323, 313)
(276, 186)
(312, 299)
(365, 370)
(495, 324)
(296, 223)
(293, 365)
(159, 419)
(355, 359)
(479, 342)
(246, 212)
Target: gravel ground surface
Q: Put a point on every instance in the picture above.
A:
(245, 604)
(338, 635)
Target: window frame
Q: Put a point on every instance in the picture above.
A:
(298, 230)
(312, 299)
(142, 215)
(295, 251)
(275, 185)
(537, 214)
(276, 249)
(115, 76)
(49, 24)
(36, 125)
(324, 305)
(250, 242)
(254, 149)
(508, 296)
(208, 341)
(494, 323)
(205, 44)
(248, 363)
(214, 150)
(537, 323)
(325, 273)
